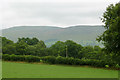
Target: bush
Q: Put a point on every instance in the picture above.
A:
(13, 57)
(60, 60)
(30, 58)
(49, 59)
(107, 66)
(70, 61)
(27, 58)
(21, 58)
(117, 66)
(6, 57)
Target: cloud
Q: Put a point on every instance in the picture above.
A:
(55, 12)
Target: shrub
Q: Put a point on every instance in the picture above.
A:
(49, 59)
(41, 60)
(60, 60)
(20, 58)
(117, 66)
(70, 61)
(30, 58)
(13, 57)
(27, 58)
(107, 66)
(6, 57)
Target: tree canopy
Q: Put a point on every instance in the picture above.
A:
(111, 37)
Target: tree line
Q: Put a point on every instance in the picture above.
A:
(33, 46)
(67, 52)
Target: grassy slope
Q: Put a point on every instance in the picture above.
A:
(81, 34)
(26, 70)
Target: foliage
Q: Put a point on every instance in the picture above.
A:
(49, 59)
(29, 41)
(9, 49)
(60, 60)
(6, 57)
(21, 48)
(59, 49)
(111, 37)
(72, 48)
(6, 41)
(30, 58)
(27, 58)
(67, 52)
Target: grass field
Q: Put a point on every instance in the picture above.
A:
(0, 69)
(27, 70)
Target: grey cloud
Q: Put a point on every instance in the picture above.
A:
(53, 11)
(64, 13)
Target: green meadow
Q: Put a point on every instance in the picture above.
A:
(30, 70)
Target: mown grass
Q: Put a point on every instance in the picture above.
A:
(27, 70)
(0, 69)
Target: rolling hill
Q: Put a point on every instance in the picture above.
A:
(83, 34)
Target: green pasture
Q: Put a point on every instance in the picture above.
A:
(29, 70)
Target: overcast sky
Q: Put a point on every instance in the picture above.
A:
(62, 13)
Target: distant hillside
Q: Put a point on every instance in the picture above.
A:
(85, 35)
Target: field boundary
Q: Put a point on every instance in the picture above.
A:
(60, 79)
(62, 65)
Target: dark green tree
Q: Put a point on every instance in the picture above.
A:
(31, 50)
(40, 44)
(6, 41)
(59, 49)
(21, 47)
(86, 52)
(72, 48)
(40, 48)
(8, 46)
(29, 41)
(97, 48)
(9, 49)
(111, 37)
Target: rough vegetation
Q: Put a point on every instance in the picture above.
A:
(68, 52)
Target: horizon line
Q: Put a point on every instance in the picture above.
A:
(54, 26)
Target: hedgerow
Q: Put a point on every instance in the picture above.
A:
(60, 60)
